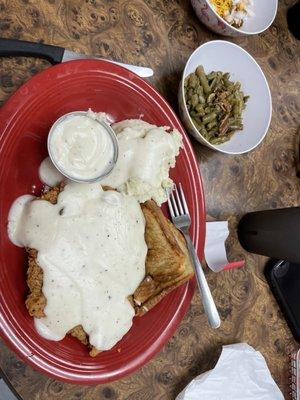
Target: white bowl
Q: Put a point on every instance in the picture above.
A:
(220, 55)
(264, 13)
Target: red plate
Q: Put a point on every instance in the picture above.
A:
(24, 123)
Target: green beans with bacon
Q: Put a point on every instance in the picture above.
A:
(215, 104)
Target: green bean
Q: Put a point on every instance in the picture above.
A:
(193, 80)
(214, 83)
(201, 99)
(219, 140)
(213, 132)
(211, 97)
(199, 120)
(230, 133)
(198, 126)
(211, 75)
(240, 96)
(211, 125)
(204, 133)
(190, 93)
(194, 100)
(234, 121)
(207, 137)
(231, 89)
(237, 108)
(199, 108)
(214, 110)
(209, 118)
(199, 90)
(236, 127)
(204, 82)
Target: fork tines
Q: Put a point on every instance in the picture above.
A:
(176, 201)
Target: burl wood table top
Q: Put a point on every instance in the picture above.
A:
(162, 34)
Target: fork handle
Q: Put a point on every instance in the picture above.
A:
(207, 299)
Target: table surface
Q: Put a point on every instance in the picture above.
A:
(162, 34)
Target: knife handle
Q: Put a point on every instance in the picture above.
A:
(14, 47)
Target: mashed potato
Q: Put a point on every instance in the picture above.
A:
(146, 154)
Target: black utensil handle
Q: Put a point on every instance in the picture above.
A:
(14, 47)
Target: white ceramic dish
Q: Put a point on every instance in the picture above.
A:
(111, 134)
(264, 14)
(220, 55)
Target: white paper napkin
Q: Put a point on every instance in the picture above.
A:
(214, 250)
(241, 373)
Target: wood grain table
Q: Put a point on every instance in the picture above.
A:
(162, 34)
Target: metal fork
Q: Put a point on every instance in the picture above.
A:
(182, 220)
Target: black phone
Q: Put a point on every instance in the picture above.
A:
(284, 280)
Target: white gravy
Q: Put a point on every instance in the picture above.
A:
(81, 147)
(16, 217)
(49, 174)
(92, 250)
(146, 154)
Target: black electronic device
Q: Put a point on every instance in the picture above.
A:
(284, 280)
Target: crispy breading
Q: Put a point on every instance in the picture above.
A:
(167, 266)
(167, 254)
(51, 195)
(35, 301)
(79, 333)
